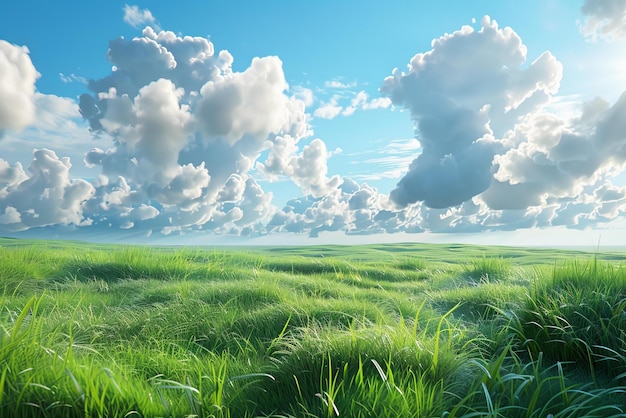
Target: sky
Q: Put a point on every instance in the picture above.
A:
(201, 122)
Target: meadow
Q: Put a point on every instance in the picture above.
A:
(397, 330)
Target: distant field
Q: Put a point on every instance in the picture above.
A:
(397, 330)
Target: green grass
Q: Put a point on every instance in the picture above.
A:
(402, 330)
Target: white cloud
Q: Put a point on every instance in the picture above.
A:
(47, 196)
(605, 19)
(377, 103)
(10, 177)
(10, 216)
(142, 212)
(17, 87)
(233, 188)
(187, 130)
(612, 200)
(304, 94)
(160, 129)
(355, 209)
(137, 17)
(71, 78)
(189, 62)
(469, 87)
(336, 84)
(488, 124)
(308, 170)
(360, 99)
(54, 113)
(558, 158)
(328, 110)
(252, 102)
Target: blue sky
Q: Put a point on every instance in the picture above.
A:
(307, 122)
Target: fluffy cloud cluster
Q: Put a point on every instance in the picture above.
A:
(307, 169)
(45, 194)
(17, 87)
(48, 196)
(492, 157)
(187, 131)
(182, 140)
(490, 152)
(552, 158)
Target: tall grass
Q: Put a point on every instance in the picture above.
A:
(487, 269)
(579, 316)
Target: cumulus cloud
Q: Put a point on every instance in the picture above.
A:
(557, 158)
(17, 87)
(187, 129)
(462, 93)
(303, 94)
(252, 102)
(54, 112)
(605, 19)
(612, 200)
(356, 209)
(10, 216)
(45, 196)
(307, 169)
(142, 212)
(158, 129)
(189, 62)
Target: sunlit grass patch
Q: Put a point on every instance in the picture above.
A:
(487, 269)
(480, 302)
(133, 263)
(23, 270)
(410, 264)
(307, 265)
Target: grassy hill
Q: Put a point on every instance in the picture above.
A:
(398, 330)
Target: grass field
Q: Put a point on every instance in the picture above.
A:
(398, 330)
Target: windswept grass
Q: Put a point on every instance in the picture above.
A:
(400, 330)
(579, 316)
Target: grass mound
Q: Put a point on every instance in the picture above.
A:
(579, 317)
(367, 370)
